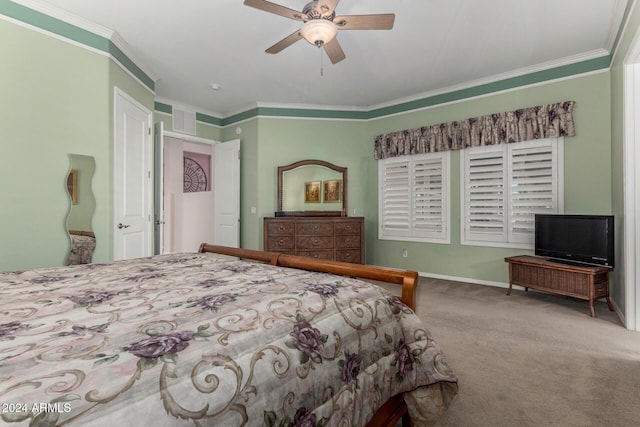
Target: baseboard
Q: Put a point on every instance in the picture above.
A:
(619, 312)
(467, 280)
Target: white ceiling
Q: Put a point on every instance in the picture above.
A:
(435, 46)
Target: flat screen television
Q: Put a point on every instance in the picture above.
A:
(584, 239)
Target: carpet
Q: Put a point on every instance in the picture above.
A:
(532, 359)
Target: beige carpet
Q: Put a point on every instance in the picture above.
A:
(532, 359)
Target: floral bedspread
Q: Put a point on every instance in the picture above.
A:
(205, 339)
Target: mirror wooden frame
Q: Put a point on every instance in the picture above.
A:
(339, 169)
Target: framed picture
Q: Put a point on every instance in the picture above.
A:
(332, 191)
(72, 186)
(312, 192)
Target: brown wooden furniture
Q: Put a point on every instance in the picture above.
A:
(395, 409)
(330, 238)
(584, 282)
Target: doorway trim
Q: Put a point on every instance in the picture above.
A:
(631, 182)
(190, 138)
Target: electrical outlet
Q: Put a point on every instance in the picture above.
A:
(405, 253)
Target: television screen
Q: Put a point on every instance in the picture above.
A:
(577, 238)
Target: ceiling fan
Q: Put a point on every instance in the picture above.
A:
(321, 24)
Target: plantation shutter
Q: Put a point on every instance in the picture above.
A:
(429, 192)
(534, 176)
(505, 186)
(395, 193)
(485, 178)
(413, 198)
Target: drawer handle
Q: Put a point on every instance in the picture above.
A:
(281, 242)
(315, 227)
(347, 227)
(347, 256)
(281, 228)
(348, 241)
(315, 241)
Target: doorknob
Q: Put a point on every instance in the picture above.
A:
(121, 226)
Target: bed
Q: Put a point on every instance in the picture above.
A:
(222, 337)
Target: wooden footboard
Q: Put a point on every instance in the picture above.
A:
(394, 409)
(408, 279)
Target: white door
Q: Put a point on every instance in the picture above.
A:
(133, 202)
(159, 188)
(227, 193)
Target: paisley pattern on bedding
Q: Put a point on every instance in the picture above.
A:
(205, 339)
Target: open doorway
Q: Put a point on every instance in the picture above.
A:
(197, 192)
(188, 196)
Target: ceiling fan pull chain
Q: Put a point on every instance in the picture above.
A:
(321, 64)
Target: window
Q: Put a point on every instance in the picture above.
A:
(413, 201)
(504, 186)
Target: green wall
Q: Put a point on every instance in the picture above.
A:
(54, 102)
(57, 99)
(587, 163)
(271, 142)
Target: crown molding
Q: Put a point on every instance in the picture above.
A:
(69, 18)
(615, 28)
(92, 27)
(569, 60)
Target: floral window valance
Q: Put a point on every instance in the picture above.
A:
(544, 121)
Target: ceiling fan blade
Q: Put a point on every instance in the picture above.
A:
(326, 7)
(365, 22)
(285, 42)
(334, 51)
(277, 9)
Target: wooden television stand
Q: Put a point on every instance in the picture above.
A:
(584, 282)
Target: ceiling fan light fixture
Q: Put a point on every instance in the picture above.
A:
(318, 31)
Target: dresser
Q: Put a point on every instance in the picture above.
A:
(336, 238)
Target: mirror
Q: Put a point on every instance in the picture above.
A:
(82, 205)
(312, 188)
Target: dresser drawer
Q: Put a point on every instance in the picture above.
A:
(279, 243)
(314, 228)
(280, 228)
(348, 242)
(348, 227)
(316, 254)
(314, 242)
(353, 255)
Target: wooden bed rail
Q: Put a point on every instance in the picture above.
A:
(408, 279)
